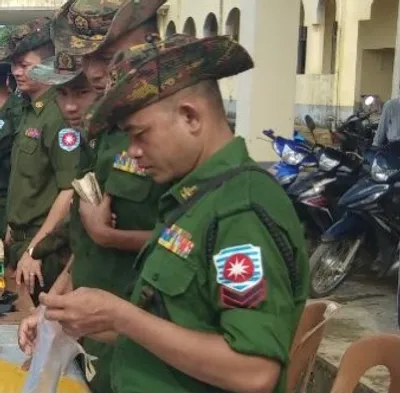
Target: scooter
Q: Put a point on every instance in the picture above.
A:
(316, 195)
(371, 222)
(295, 155)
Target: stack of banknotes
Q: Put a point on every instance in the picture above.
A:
(88, 188)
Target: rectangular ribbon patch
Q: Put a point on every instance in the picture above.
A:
(127, 164)
(33, 133)
(176, 240)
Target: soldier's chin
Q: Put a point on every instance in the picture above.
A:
(159, 177)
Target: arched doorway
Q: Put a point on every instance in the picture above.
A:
(171, 29)
(328, 8)
(232, 26)
(210, 26)
(302, 47)
(189, 27)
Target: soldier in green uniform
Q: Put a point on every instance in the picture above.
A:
(104, 254)
(225, 277)
(43, 162)
(10, 116)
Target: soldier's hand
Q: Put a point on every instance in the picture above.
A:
(83, 312)
(28, 269)
(27, 333)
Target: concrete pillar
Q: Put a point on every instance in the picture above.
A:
(396, 65)
(352, 13)
(315, 49)
(266, 95)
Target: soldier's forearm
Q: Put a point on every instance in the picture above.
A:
(122, 240)
(57, 213)
(204, 356)
(109, 337)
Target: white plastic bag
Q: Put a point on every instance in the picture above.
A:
(54, 351)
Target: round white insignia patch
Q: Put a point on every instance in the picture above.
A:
(69, 139)
(1, 123)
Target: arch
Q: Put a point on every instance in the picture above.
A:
(232, 25)
(171, 29)
(189, 27)
(210, 28)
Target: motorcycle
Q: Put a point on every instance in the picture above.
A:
(295, 154)
(316, 196)
(371, 222)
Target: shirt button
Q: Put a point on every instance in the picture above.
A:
(156, 276)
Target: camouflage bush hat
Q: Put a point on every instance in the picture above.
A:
(149, 73)
(24, 38)
(57, 70)
(83, 26)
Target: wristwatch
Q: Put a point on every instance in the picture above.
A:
(30, 251)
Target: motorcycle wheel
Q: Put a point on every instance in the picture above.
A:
(330, 265)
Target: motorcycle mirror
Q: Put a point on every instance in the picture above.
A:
(310, 123)
(269, 133)
(311, 126)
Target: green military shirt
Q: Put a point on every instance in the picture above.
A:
(10, 117)
(43, 162)
(243, 292)
(135, 202)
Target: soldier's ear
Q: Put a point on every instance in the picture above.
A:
(191, 116)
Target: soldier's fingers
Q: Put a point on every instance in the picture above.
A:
(39, 275)
(21, 275)
(32, 278)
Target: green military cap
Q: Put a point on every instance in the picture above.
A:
(56, 242)
(83, 26)
(23, 38)
(151, 72)
(57, 70)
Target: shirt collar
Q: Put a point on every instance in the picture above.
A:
(40, 103)
(232, 155)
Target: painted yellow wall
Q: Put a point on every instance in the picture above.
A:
(364, 25)
(315, 88)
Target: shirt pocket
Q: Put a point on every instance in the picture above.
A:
(26, 158)
(128, 185)
(28, 145)
(168, 273)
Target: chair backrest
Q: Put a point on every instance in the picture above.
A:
(305, 345)
(360, 356)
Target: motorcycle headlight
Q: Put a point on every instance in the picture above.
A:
(326, 163)
(381, 174)
(291, 157)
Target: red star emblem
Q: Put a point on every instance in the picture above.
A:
(69, 139)
(238, 268)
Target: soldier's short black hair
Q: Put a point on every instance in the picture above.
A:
(5, 71)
